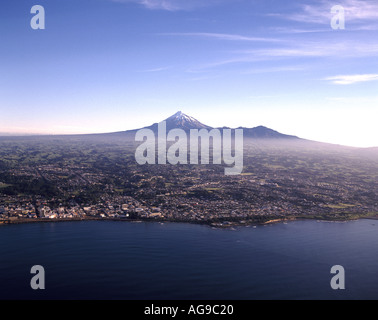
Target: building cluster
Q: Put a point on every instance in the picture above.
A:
(13, 207)
(91, 185)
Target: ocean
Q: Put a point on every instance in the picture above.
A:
(155, 261)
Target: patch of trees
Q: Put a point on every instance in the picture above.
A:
(30, 187)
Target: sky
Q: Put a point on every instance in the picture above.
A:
(113, 65)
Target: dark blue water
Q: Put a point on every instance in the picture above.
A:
(121, 260)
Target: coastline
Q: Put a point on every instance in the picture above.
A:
(226, 223)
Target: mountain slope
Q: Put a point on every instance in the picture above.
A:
(262, 132)
(182, 121)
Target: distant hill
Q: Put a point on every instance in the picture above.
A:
(181, 120)
(265, 133)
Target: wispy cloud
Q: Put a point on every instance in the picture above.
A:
(174, 5)
(222, 36)
(156, 69)
(289, 50)
(275, 69)
(319, 48)
(356, 11)
(351, 79)
(291, 30)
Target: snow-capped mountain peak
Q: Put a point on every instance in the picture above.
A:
(183, 121)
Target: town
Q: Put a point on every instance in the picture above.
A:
(63, 180)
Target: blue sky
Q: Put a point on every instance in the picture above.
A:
(111, 65)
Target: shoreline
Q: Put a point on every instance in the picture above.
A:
(224, 224)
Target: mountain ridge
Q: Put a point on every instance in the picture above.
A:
(180, 120)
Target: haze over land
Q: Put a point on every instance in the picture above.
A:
(96, 176)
